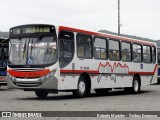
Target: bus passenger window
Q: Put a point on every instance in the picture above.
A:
(146, 54)
(84, 46)
(114, 50)
(100, 48)
(137, 53)
(126, 51)
(66, 48)
(154, 55)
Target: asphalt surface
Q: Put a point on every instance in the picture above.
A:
(18, 100)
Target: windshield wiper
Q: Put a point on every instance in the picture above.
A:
(24, 49)
(37, 40)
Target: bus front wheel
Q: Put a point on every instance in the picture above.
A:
(81, 88)
(41, 93)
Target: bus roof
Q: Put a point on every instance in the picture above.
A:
(99, 34)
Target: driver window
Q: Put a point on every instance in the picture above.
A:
(66, 48)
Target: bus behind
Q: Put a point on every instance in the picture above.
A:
(4, 46)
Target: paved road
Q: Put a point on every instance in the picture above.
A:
(18, 100)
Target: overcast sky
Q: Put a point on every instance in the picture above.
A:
(138, 17)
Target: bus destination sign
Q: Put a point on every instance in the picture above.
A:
(33, 29)
(36, 29)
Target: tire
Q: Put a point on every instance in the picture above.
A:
(41, 93)
(102, 91)
(82, 88)
(136, 86)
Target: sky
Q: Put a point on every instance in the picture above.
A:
(138, 17)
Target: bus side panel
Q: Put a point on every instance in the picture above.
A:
(147, 80)
(68, 82)
(111, 81)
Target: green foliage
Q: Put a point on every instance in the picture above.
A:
(158, 43)
(4, 34)
(131, 36)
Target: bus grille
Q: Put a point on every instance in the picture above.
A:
(25, 84)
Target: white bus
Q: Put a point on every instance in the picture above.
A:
(47, 59)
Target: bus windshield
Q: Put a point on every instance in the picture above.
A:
(3, 55)
(3, 52)
(33, 51)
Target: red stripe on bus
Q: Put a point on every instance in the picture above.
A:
(104, 35)
(142, 73)
(80, 71)
(33, 74)
(155, 69)
(97, 72)
(145, 73)
(2, 79)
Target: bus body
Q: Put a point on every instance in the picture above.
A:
(4, 46)
(48, 58)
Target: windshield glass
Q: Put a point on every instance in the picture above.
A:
(3, 54)
(33, 51)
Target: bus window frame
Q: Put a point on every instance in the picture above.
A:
(150, 55)
(130, 51)
(155, 57)
(119, 49)
(106, 48)
(141, 53)
(91, 45)
(59, 45)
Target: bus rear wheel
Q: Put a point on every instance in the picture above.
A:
(41, 93)
(136, 86)
(81, 88)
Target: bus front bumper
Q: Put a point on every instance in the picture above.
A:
(3, 80)
(29, 84)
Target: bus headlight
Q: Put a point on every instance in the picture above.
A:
(11, 77)
(47, 76)
(42, 78)
(50, 74)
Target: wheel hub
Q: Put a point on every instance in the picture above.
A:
(136, 85)
(82, 87)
